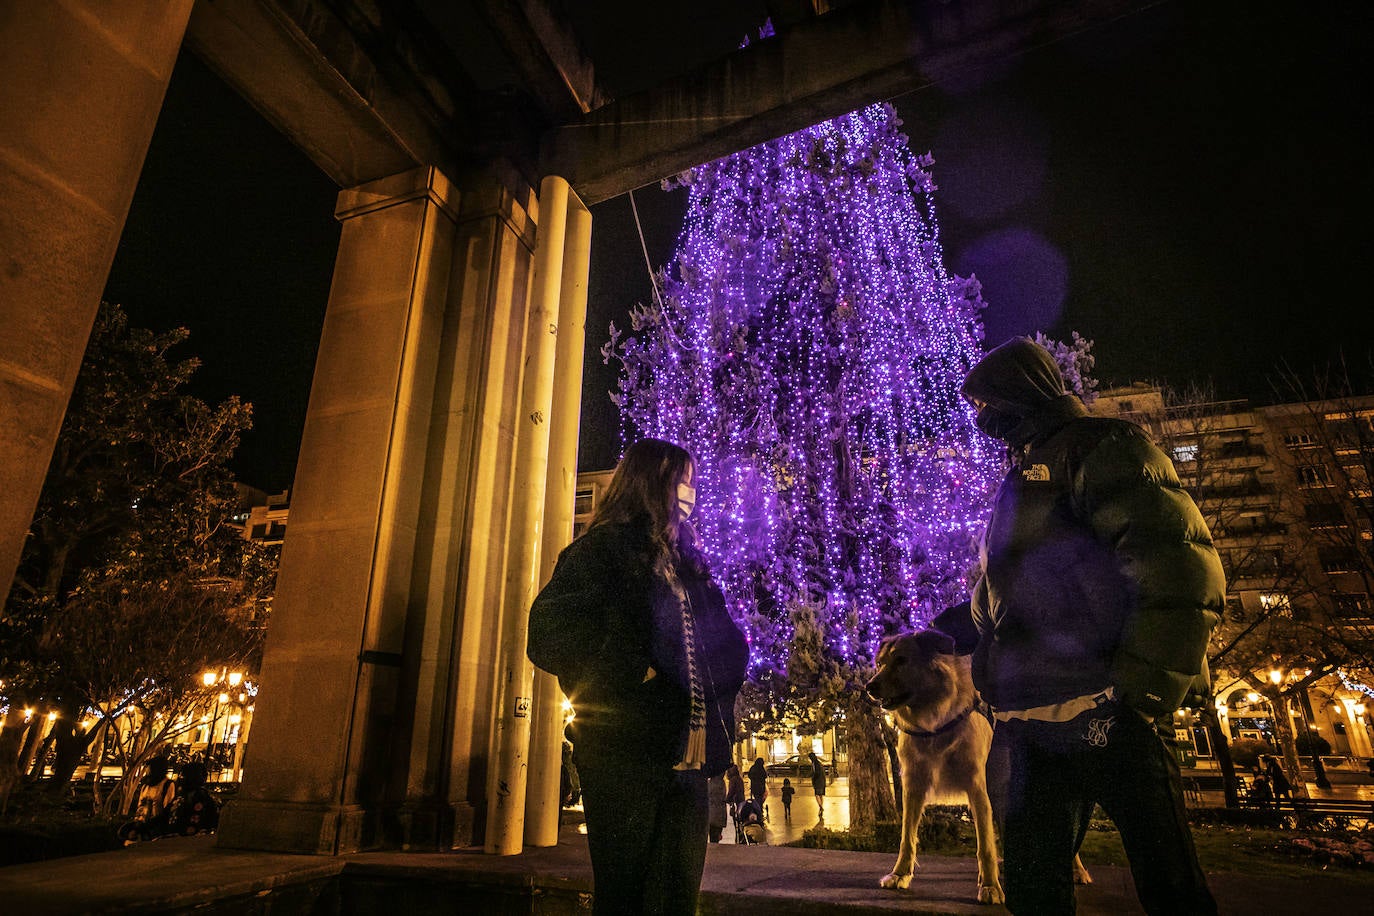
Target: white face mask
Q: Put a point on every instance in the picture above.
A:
(686, 499)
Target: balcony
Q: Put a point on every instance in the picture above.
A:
(1249, 491)
(1249, 532)
(1241, 454)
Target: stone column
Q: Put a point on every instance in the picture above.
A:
(542, 803)
(332, 669)
(81, 84)
(440, 758)
(506, 780)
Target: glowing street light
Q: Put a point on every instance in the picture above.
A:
(213, 679)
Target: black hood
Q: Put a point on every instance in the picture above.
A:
(1021, 379)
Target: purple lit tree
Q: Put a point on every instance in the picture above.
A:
(808, 348)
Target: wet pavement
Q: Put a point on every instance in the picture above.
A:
(807, 811)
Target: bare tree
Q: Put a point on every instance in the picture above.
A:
(1285, 492)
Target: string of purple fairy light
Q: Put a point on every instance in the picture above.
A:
(809, 353)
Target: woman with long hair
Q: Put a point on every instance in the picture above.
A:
(641, 643)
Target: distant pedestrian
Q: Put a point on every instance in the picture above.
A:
(569, 781)
(715, 803)
(1260, 793)
(195, 809)
(734, 790)
(787, 793)
(817, 774)
(758, 781)
(156, 790)
(1278, 780)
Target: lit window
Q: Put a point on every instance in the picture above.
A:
(1338, 559)
(1276, 601)
(1353, 606)
(1185, 452)
(584, 501)
(1313, 475)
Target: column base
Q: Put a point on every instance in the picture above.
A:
(292, 827)
(422, 827)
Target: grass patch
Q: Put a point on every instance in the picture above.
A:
(1238, 848)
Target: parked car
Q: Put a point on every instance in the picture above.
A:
(799, 765)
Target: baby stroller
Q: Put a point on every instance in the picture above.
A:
(748, 818)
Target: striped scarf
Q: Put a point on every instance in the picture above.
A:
(695, 755)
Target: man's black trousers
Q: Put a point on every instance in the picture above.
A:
(646, 831)
(1108, 756)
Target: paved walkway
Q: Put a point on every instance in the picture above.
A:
(178, 876)
(181, 875)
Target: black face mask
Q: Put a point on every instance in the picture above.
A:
(996, 423)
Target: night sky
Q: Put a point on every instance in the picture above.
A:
(1182, 187)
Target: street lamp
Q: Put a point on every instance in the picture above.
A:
(212, 679)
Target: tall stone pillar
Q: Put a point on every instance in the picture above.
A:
(332, 673)
(81, 84)
(542, 802)
(440, 761)
(515, 676)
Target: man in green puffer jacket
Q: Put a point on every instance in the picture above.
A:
(1100, 589)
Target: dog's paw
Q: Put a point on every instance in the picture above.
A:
(895, 882)
(991, 893)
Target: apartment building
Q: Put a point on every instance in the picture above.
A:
(262, 516)
(1285, 490)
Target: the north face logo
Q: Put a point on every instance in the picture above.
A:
(1036, 472)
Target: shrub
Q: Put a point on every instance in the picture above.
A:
(58, 837)
(1312, 743)
(1234, 817)
(945, 830)
(1328, 850)
(1247, 751)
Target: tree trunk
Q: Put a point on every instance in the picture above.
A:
(36, 768)
(97, 803)
(1222, 748)
(71, 746)
(33, 734)
(1288, 743)
(870, 786)
(11, 740)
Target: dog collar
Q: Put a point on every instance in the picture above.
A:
(921, 733)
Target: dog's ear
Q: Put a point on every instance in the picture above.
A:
(935, 642)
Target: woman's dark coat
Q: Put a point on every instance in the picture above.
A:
(603, 620)
(758, 780)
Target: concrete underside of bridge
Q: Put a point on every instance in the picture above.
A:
(435, 480)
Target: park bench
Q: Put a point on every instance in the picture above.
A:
(1327, 813)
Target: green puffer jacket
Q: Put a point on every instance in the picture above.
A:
(1098, 570)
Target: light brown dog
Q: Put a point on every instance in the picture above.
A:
(942, 744)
